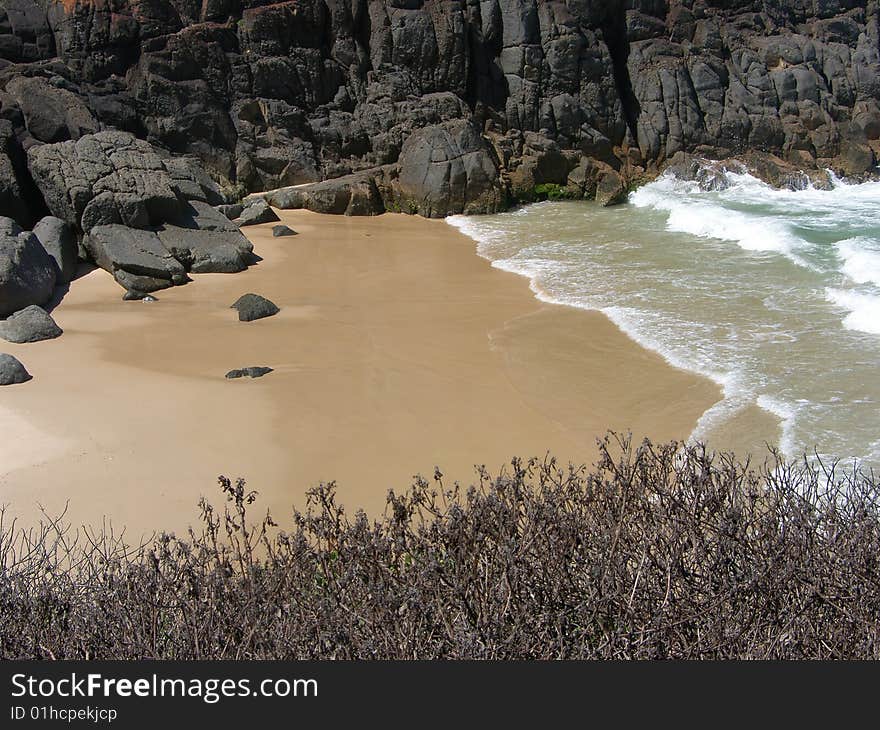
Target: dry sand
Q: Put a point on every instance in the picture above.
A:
(397, 349)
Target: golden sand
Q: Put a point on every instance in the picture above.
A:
(397, 349)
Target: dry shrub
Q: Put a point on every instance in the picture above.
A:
(658, 552)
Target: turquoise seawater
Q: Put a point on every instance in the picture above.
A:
(775, 295)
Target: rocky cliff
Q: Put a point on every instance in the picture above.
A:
(438, 106)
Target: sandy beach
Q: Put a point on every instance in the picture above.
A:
(397, 349)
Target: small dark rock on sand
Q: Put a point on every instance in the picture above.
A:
(31, 324)
(251, 372)
(253, 306)
(12, 371)
(283, 230)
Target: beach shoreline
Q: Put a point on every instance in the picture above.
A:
(398, 348)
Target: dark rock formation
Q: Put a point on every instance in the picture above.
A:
(448, 169)
(104, 179)
(51, 113)
(31, 324)
(430, 106)
(136, 258)
(251, 372)
(12, 371)
(257, 212)
(282, 230)
(27, 272)
(59, 240)
(253, 306)
(357, 194)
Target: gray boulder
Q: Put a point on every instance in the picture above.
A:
(103, 179)
(282, 230)
(360, 193)
(251, 372)
(137, 259)
(27, 272)
(59, 240)
(253, 306)
(31, 324)
(207, 252)
(448, 169)
(257, 212)
(12, 371)
(205, 241)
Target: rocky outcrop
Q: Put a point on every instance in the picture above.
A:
(507, 95)
(108, 178)
(31, 324)
(12, 372)
(27, 272)
(146, 219)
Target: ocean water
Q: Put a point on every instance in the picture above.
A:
(775, 295)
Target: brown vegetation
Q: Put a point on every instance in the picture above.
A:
(662, 552)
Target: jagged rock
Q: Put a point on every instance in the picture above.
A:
(59, 240)
(52, 114)
(278, 94)
(205, 241)
(12, 371)
(136, 258)
(251, 372)
(256, 212)
(27, 272)
(448, 169)
(252, 306)
(611, 188)
(104, 179)
(231, 211)
(207, 252)
(282, 230)
(31, 324)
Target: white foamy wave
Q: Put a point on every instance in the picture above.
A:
(690, 210)
(787, 415)
(863, 308)
(861, 260)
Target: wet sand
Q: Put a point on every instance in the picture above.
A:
(397, 349)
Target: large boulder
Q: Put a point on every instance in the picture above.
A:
(31, 324)
(448, 169)
(27, 272)
(104, 179)
(12, 371)
(205, 241)
(361, 193)
(59, 240)
(358, 194)
(136, 258)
